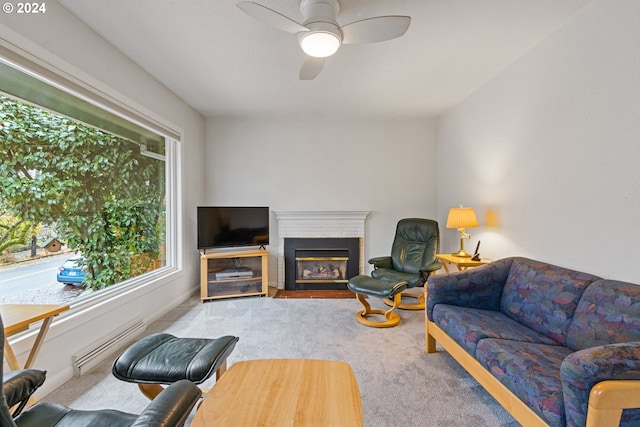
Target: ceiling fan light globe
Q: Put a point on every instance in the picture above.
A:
(319, 44)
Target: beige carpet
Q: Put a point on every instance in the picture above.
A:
(400, 385)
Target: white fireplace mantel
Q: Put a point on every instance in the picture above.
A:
(318, 224)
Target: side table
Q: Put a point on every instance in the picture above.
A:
(17, 318)
(460, 262)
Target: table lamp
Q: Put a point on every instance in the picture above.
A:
(462, 218)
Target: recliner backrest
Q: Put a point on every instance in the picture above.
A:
(415, 245)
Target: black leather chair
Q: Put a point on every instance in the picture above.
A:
(171, 408)
(412, 259)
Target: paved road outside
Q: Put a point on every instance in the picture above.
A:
(34, 282)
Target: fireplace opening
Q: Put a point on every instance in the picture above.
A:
(321, 269)
(320, 263)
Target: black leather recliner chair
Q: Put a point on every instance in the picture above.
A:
(412, 258)
(171, 408)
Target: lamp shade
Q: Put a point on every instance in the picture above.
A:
(461, 218)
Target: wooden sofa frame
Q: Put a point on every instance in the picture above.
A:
(607, 399)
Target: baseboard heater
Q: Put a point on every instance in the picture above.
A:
(90, 356)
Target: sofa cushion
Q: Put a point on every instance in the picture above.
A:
(609, 312)
(467, 326)
(531, 371)
(543, 296)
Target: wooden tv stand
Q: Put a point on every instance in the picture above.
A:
(227, 274)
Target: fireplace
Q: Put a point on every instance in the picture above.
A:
(315, 263)
(318, 224)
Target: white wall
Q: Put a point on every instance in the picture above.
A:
(552, 143)
(384, 166)
(61, 40)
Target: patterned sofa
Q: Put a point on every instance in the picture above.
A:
(554, 346)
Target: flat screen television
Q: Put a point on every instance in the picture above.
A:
(232, 226)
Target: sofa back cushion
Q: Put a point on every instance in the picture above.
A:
(608, 313)
(543, 297)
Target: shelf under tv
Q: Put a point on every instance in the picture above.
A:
(251, 267)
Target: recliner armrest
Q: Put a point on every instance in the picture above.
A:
(171, 407)
(19, 385)
(582, 370)
(381, 262)
(434, 266)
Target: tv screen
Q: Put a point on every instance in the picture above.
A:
(232, 226)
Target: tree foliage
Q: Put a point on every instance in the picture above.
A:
(14, 231)
(98, 188)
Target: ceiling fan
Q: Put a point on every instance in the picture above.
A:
(321, 36)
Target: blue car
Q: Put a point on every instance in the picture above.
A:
(72, 272)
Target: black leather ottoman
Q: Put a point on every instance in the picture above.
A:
(365, 285)
(164, 359)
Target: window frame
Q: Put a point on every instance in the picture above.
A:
(125, 109)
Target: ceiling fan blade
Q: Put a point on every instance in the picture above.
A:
(311, 67)
(376, 29)
(270, 17)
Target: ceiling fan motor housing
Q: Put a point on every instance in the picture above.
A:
(319, 10)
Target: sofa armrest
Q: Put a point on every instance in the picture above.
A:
(171, 407)
(479, 287)
(588, 373)
(381, 262)
(607, 400)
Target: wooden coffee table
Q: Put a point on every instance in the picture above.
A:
(283, 392)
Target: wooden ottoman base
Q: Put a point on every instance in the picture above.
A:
(420, 305)
(390, 318)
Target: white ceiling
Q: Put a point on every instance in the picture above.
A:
(223, 62)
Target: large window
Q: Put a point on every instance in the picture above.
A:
(92, 182)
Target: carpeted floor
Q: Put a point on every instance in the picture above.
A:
(400, 385)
